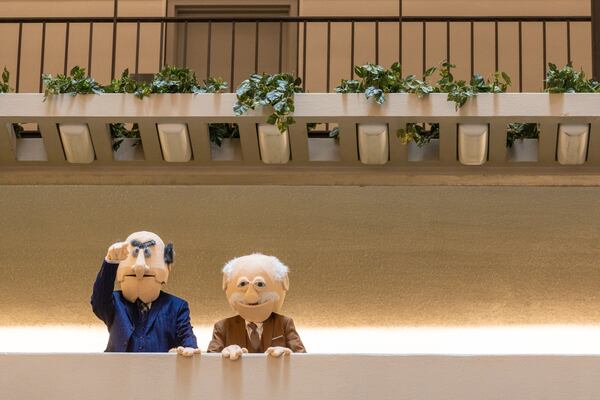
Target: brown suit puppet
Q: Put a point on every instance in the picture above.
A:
(255, 286)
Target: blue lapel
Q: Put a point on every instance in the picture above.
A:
(157, 305)
(127, 305)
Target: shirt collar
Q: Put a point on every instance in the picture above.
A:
(258, 324)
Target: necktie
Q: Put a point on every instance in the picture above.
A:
(143, 308)
(254, 338)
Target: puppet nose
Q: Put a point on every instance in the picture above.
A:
(251, 296)
(140, 267)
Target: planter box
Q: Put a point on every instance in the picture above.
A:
(175, 142)
(27, 148)
(31, 149)
(524, 150)
(274, 145)
(427, 152)
(349, 109)
(472, 143)
(77, 143)
(130, 150)
(373, 146)
(572, 143)
(230, 150)
(323, 149)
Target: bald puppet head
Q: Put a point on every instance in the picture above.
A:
(146, 268)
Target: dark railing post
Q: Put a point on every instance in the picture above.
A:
(595, 8)
(114, 39)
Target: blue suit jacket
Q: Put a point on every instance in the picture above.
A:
(168, 323)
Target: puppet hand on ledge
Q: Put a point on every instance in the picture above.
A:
(277, 351)
(185, 351)
(117, 252)
(233, 352)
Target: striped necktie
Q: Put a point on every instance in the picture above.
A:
(254, 338)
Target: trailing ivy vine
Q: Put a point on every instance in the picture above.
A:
(276, 91)
(77, 82)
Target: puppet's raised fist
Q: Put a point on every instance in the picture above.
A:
(277, 351)
(233, 352)
(117, 252)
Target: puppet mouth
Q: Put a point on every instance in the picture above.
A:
(145, 275)
(258, 304)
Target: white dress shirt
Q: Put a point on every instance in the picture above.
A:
(259, 329)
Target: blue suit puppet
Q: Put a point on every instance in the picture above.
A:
(160, 325)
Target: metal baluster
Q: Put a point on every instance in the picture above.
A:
(90, 47)
(19, 45)
(185, 39)
(137, 48)
(42, 55)
(328, 56)
(520, 56)
(209, 39)
(280, 46)
(232, 56)
(66, 48)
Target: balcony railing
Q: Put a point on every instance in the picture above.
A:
(321, 50)
(299, 377)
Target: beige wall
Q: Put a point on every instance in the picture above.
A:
(359, 256)
(316, 70)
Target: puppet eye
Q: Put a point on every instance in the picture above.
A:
(260, 284)
(147, 252)
(135, 252)
(243, 283)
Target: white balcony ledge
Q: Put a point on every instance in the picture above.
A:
(550, 111)
(301, 376)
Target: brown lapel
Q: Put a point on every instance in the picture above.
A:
(240, 334)
(267, 333)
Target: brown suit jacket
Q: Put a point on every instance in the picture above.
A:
(278, 330)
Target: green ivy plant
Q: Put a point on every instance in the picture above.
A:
(519, 130)
(126, 84)
(77, 82)
(269, 90)
(568, 80)
(459, 91)
(4, 85)
(183, 80)
(376, 81)
(120, 131)
(220, 131)
(420, 133)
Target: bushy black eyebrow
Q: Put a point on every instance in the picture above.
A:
(144, 245)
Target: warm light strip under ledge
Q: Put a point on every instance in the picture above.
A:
(538, 339)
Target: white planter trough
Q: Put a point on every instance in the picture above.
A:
(77, 143)
(373, 144)
(323, 149)
(28, 148)
(428, 152)
(523, 150)
(175, 142)
(572, 143)
(130, 150)
(274, 145)
(230, 150)
(472, 143)
(31, 149)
